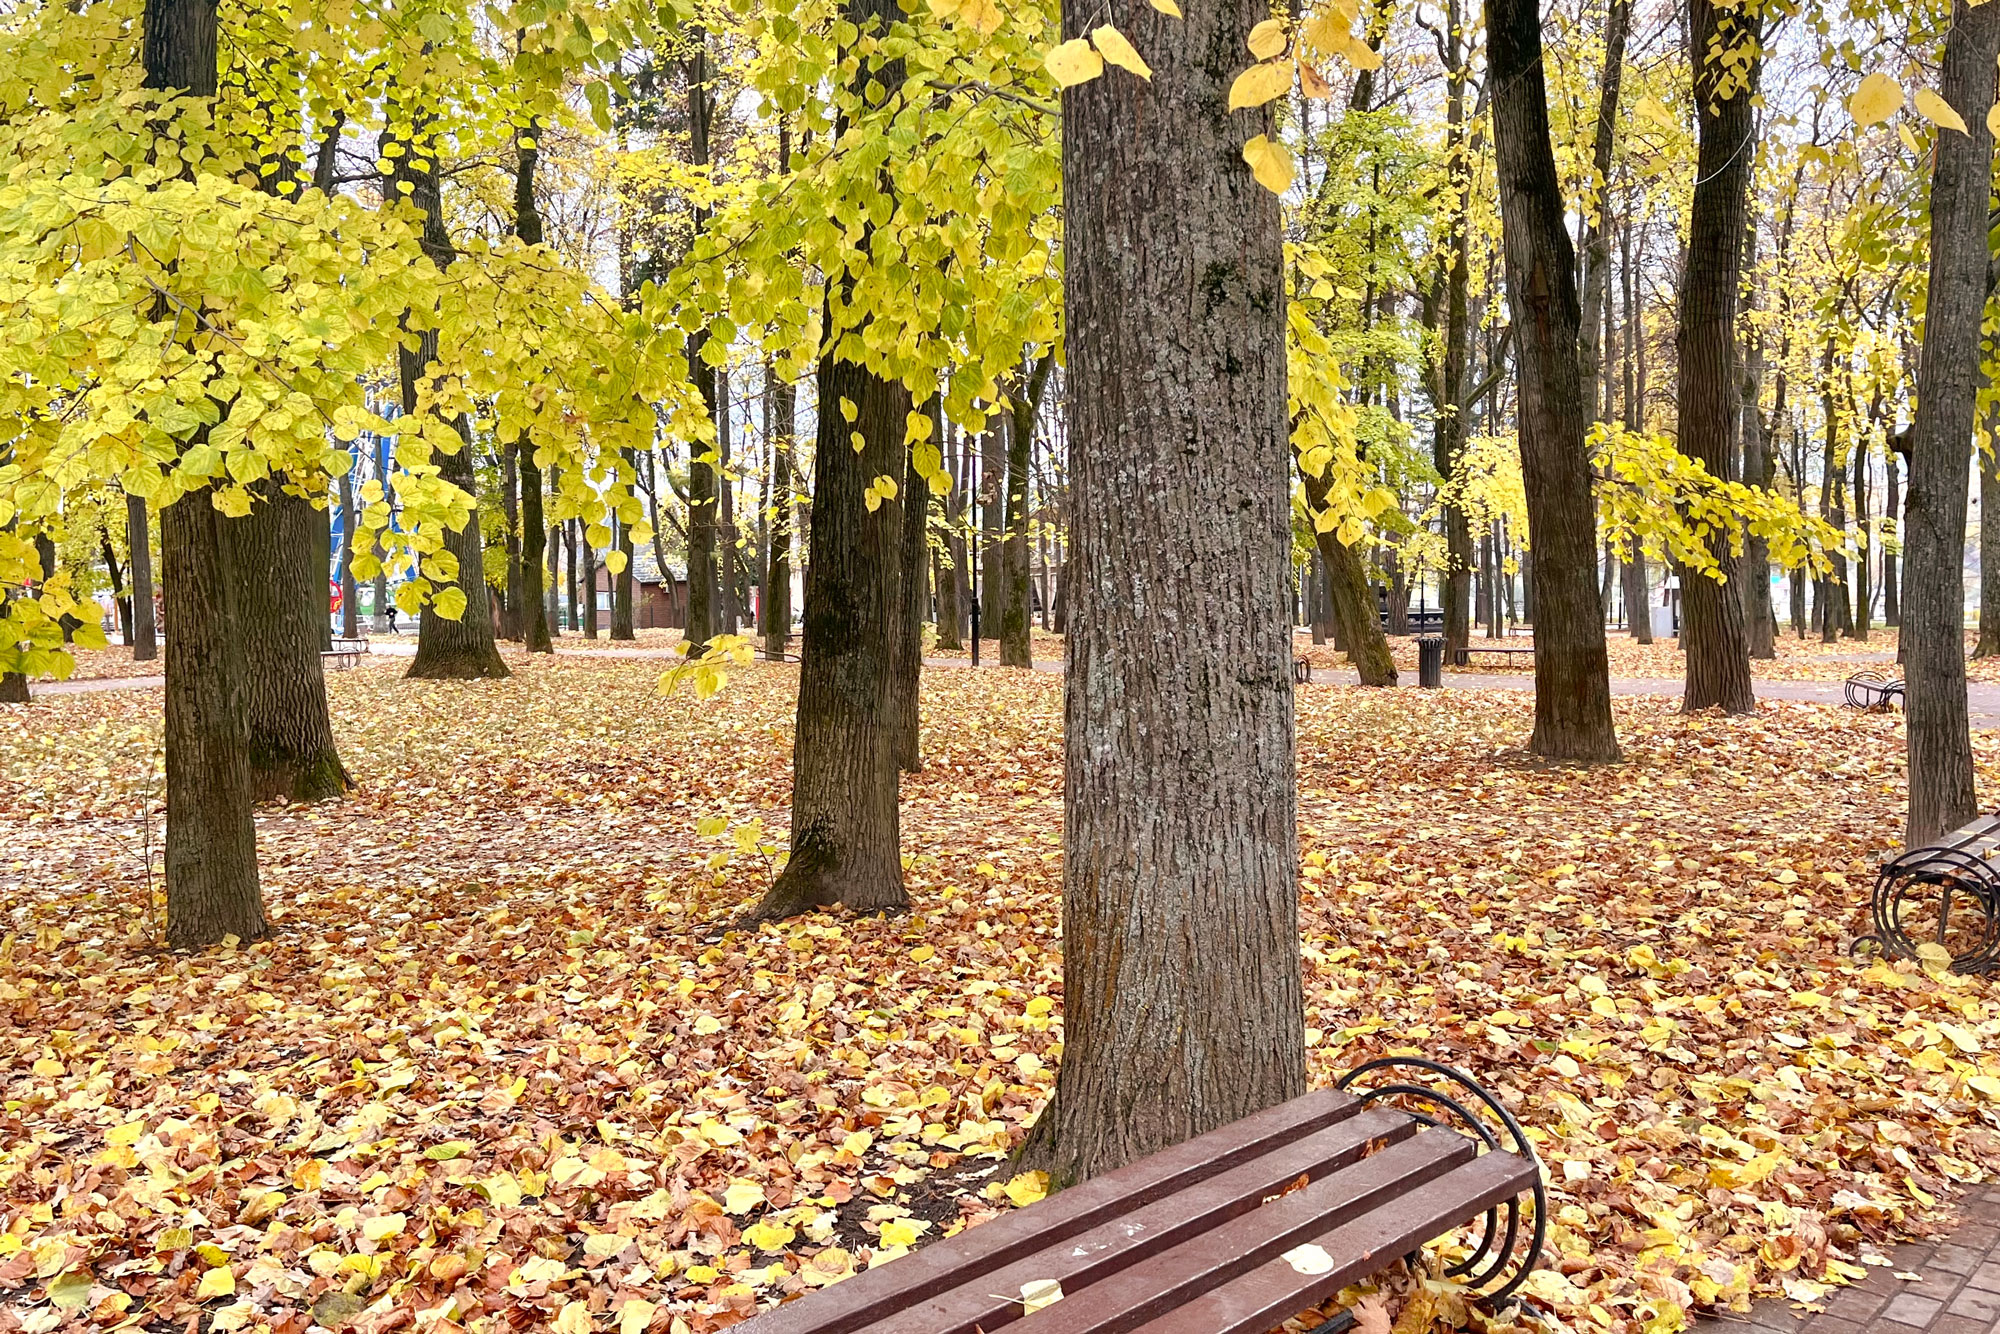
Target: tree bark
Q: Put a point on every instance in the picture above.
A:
(1936, 725)
(1759, 623)
(992, 591)
(729, 607)
(512, 625)
(1572, 671)
(1183, 1000)
(1892, 612)
(1596, 256)
(350, 590)
(1989, 543)
(1711, 395)
(278, 593)
(534, 552)
(1352, 607)
(587, 558)
(846, 827)
(139, 552)
(120, 598)
(702, 610)
(1864, 595)
(622, 626)
(949, 574)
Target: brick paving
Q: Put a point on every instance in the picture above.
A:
(1958, 1293)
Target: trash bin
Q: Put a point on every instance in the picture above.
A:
(1430, 661)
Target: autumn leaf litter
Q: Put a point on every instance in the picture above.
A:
(492, 1070)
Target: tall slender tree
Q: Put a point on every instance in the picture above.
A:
(1014, 614)
(1937, 729)
(139, 551)
(1572, 669)
(1184, 1005)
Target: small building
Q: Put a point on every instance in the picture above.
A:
(659, 602)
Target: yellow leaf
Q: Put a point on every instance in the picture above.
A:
(1267, 39)
(574, 1318)
(1939, 112)
(903, 1231)
(1311, 84)
(634, 1316)
(1993, 120)
(502, 1189)
(1909, 140)
(48, 1067)
(769, 1236)
(707, 1024)
(983, 15)
(1985, 1086)
(1878, 98)
(1027, 1188)
(383, 1228)
(923, 954)
(1167, 7)
(1259, 84)
(217, 1282)
(1270, 162)
(1654, 110)
(1037, 1293)
(1363, 56)
(1120, 52)
(742, 1196)
(1073, 63)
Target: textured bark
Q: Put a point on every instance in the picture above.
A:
(350, 590)
(1864, 595)
(948, 567)
(1016, 619)
(139, 546)
(279, 591)
(1760, 624)
(586, 556)
(1596, 254)
(211, 840)
(992, 525)
(846, 831)
(1988, 463)
(778, 570)
(1183, 1005)
(1572, 672)
(728, 542)
(846, 828)
(622, 626)
(120, 598)
(1638, 597)
(702, 610)
(1454, 357)
(1711, 395)
(463, 648)
(1892, 611)
(1936, 726)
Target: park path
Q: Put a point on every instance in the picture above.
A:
(1957, 1290)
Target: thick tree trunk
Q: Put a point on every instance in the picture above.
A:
(1711, 395)
(139, 548)
(1572, 672)
(1183, 1001)
(1936, 725)
(278, 592)
(846, 830)
(211, 840)
(778, 573)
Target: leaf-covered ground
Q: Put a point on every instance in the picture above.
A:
(497, 1068)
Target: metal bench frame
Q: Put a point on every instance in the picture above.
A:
(1235, 1231)
(345, 653)
(1953, 881)
(1870, 689)
(1459, 656)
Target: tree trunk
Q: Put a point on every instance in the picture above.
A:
(992, 525)
(778, 573)
(534, 552)
(1711, 394)
(1596, 256)
(1183, 1000)
(1892, 611)
(278, 593)
(350, 589)
(512, 624)
(1989, 541)
(916, 499)
(846, 828)
(1353, 608)
(949, 566)
(571, 586)
(120, 598)
(1759, 623)
(587, 558)
(447, 649)
(1016, 617)
(1638, 595)
(1948, 380)
(1572, 672)
(139, 553)
(1864, 546)
(622, 626)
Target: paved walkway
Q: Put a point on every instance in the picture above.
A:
(1957, 1291)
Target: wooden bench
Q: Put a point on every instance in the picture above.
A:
(1869, 689)
(1232, 1232)
(1459, 656)
(1945, 894)
(345, 653)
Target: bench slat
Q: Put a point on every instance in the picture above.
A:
(1275, 1292)
(1158, 1285)
(994, 1298)
(953, 1261)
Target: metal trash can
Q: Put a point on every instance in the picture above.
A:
(1430, 661)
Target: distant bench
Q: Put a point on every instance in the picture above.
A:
(1232, 1232)
(1459, 656)
(1870, 689)
(343, 653)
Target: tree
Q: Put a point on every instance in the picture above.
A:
(1726, 56)
(1572, 669)
(1948, 382)
(1184, 1005)
(777, 604)
(1015, 615)
(211, 840)
(139, 546)
(915, 495)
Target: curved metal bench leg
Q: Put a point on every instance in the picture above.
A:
(1510, 1241)
(1945, 896)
